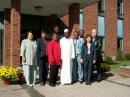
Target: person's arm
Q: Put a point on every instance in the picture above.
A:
(99, 46)
(60, 53)
(94, 55)
(50, 53)
(22, 51)
(73, 51)
(38, 48)
(61, 48)
(36, 58)
(82, 54)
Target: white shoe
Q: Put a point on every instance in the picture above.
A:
(30, 85)
(62, 84)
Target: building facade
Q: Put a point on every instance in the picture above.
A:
(111, 18)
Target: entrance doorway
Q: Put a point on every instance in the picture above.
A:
(38, 23)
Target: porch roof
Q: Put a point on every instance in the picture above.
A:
(59, 7)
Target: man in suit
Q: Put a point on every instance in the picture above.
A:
(77, 70)
(97, 43)
(42, 57)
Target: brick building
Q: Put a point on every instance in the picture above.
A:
(111, 18)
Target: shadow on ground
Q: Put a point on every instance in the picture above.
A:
(32, 92)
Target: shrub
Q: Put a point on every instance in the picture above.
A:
(120, 55)
(105, 67)
(127, 56)
(108, 59)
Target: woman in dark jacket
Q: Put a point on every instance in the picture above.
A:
(88, 58)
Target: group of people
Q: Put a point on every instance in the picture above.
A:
(74, 57)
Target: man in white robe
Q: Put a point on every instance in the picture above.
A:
(29, 59)
(67, 55)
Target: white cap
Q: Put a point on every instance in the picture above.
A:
(66, 30)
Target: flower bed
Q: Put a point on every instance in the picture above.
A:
(9, 72)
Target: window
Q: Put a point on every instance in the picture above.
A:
(120, 28)
(101, 7)
(101, 26)
(81, 19)
(101, 30)
(120, 8)
(120, 44)
(120, 34)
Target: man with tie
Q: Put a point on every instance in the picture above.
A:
(42, 57)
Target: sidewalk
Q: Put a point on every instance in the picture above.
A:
(113, 86)
(119, 79)
(12, 91)
(102, 89)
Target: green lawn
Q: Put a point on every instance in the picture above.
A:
(117, 64)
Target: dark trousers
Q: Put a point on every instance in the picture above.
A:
(75, 71)
(98, 70)
(43, 68)
(53, 74)
(88, 68)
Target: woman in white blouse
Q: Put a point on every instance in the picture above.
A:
(29, 58)
(88, 58)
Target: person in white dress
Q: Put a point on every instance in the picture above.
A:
(67, 55)
(29, 59)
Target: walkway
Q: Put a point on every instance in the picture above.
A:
(113, 86)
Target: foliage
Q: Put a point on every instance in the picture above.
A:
(105, 67)
(120, 63)
(9, 72)
(108, 59)
(127, 56)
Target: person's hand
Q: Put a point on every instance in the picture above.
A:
(94, 61)
(23, 59)
(73, 59)
(81, 61)
(61, 61)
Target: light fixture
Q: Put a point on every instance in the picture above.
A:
(38, 8)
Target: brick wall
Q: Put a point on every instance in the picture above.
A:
(15, 32)
(111, 28)
(65, 19)
(124, 71)
(74, 10)
(6, 42)
(126, 26)
(90, 17)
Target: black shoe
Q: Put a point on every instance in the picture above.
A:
(53, 85)
(50, 84)
(42, 83)
(81, 82)
(68, 84)
(88, 83)
(74, 82)
(99, 80)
